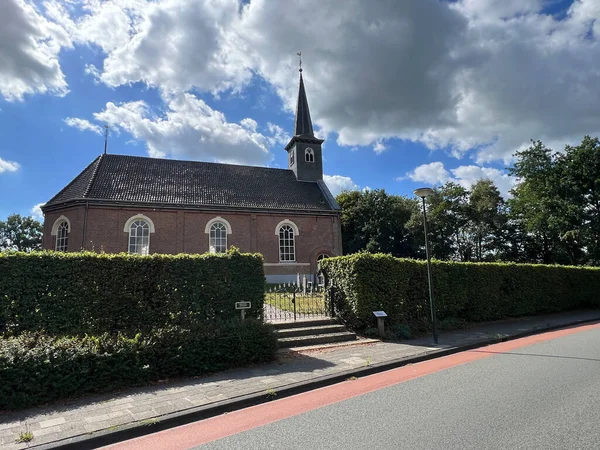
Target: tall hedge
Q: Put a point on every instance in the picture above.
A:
(36, 368)
(363, 283)
(77, 293)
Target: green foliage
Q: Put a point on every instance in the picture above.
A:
(37, 368)
(374, 221)
(78, 293)
(371, 332)
(452, 323)
(553, 216)
(24, 436)
(464, 225)
(401, 331)
(471, 292)
(557, 202)
(20, 233)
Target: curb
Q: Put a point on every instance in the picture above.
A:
(137, 429)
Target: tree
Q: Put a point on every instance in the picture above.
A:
(557, 201)
(20, 233)
(579, 171)
(374, 221)
(488, 220)
(536, 205)
(447, 223)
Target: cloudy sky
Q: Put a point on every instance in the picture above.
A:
(405, 92)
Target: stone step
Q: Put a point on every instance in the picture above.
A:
(315, 339)
(307, 331)
(304, 323)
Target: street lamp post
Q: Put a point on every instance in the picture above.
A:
(423, 193)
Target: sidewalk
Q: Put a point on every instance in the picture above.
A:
(84, 423)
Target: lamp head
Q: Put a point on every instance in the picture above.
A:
(423, 192)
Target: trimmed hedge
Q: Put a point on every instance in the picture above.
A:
(475, 292)
(36, 368)
(78, 293)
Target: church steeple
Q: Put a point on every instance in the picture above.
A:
(303, 126)
(305, 155)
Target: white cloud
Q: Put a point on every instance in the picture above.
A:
(36, 211)
(83, 125)
(29, 49)
(339, 183)
(435, 174)
(8, 166)
(432, 173)
(467, 176)
(379, 147)
(483, 79)
(171, 44)
(277, 135)
(189, 128)
(92, 70)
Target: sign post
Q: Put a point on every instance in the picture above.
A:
(381, 315)
(243, 306)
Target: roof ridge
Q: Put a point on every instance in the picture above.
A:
(195, 161)
(328, 195)
(72, 181)
(93, 177)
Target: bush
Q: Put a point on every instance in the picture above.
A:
(472, 292)
(78, 293)
(36, 368)
(401, 331)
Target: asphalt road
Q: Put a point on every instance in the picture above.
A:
(542, 396)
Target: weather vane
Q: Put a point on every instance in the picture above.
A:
(299, 60)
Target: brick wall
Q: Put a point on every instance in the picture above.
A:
(181, 231)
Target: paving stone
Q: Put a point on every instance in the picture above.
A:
(98, 418)
(52, 422)
(96, 426)
(46, 431)
(144, 415)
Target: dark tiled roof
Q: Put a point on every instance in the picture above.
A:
(78, 187)
(134, 179)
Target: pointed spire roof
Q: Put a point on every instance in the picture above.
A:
(303, 126)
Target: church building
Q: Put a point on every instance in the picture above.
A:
(147, 205)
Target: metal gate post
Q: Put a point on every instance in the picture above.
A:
(294, 302)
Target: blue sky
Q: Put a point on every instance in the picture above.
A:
(405, 94)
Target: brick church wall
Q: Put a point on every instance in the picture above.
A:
(183, 231)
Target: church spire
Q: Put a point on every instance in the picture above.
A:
(303, 125)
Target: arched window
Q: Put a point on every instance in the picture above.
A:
(61, 229)
(309, 155)
(217, 230)
(287, 248)
(139, 237)
(217, 241)
(62, 236)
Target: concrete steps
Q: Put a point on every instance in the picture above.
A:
(311, 333)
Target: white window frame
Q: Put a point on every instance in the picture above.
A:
(55, 230)
(309, 155)
(294, 232)
(208, 227)
(62, 237)
(57, 222)
(127, 229)
(217, 238)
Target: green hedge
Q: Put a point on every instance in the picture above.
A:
(77, 293)
(36, 368)
(363, 283)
